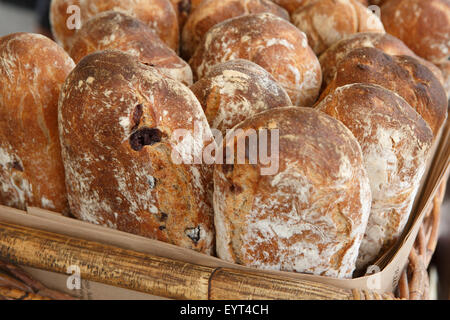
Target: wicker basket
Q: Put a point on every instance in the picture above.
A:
(146, 273)
(178, 279)
(414, 282)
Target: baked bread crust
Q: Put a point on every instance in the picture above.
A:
(112, 30)
(32, 71)
(330, 59)
(395, 141)
(423, 25)
(326, 22)
(212, 12)
(269, 41)
(309, 217)
(118, 120)
(235, 90)
(292, 5)
(403, 75)
(157, 14)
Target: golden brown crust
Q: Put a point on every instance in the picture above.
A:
(309, 216)
(32, 71)
(212, 12)
(330, 59)
(292, 5)
(423, 25)
(235, 90)
(395, 142)
(118, 123)
(117, 31)
(333, 55)
(404, 75)
(325, 22)
(272, 43)
(157, 14)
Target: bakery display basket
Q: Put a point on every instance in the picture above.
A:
(114, 264)
(119, 91)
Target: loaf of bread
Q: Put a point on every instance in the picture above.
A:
(235, 90)
(330, 59)
(212, 12)
(130, 137)
(325, 22)
(269, 41)
(112, 30)
(310, 216)
(32, 71)
(395, 141)
(423, 25)
(292, 5)
(157, 14)
(404, 75)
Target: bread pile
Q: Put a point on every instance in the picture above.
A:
(294, 138)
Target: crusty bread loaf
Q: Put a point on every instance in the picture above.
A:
(120, 123)
(330, 59)
(269, 41)
(395, 142)
(32, 70)
(292, 5)
(117, 31)
(157, 14)
(423, 25)
(404, 75)
(235, 90)
(183, 9)
(325, 22)
(212, 12)
(308, 217)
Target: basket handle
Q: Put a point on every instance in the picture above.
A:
(155, 275)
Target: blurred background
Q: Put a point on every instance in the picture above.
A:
(24, 16)
(32, 16)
